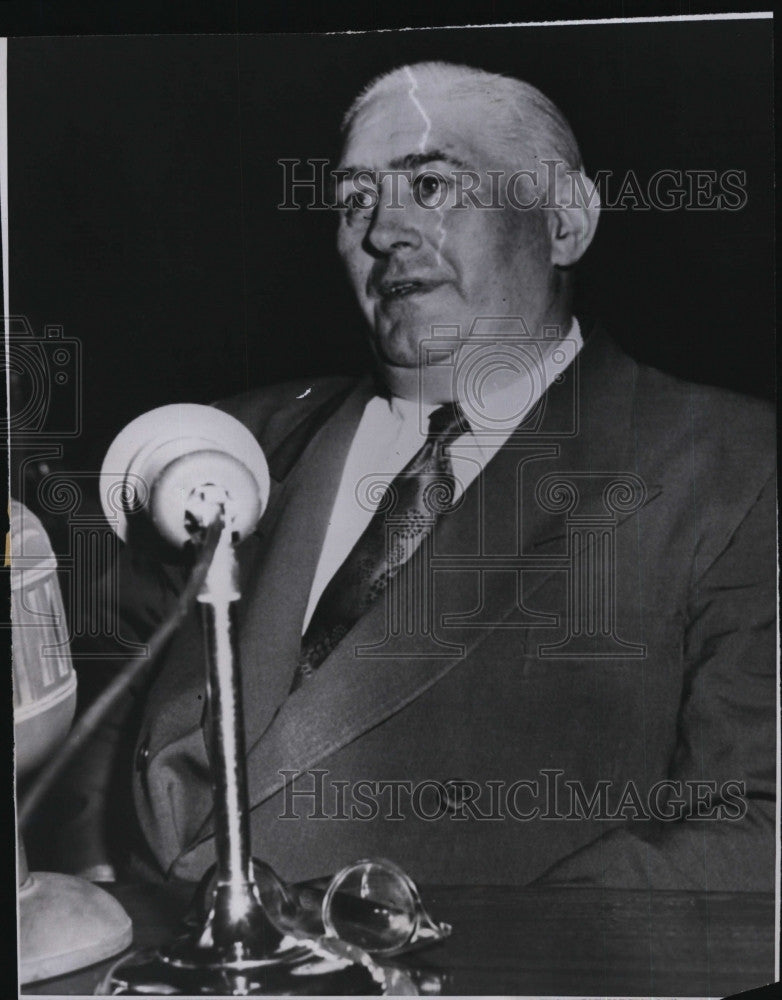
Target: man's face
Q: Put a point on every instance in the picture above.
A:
(414, 266)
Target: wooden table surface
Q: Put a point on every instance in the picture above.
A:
(509, 940)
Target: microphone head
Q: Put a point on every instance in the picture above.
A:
(174, 461)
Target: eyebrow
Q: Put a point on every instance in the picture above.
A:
(409, 162)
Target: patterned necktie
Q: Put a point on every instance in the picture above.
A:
(405, 514)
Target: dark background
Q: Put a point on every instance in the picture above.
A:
(144, 189)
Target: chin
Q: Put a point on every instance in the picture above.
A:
(400, 345)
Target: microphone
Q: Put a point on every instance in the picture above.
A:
(193, 473)
(177, 465)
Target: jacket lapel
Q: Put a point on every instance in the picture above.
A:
(281, 563)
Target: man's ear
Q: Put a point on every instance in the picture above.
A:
(573, 219)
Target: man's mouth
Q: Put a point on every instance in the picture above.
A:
(403, 288)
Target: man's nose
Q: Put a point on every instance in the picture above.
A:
(395, 224)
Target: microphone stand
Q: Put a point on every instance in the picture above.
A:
(237, 933)
(237, 940)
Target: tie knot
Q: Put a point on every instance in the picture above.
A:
(447, 421)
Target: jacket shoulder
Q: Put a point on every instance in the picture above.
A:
(271, 411)
(729, 430)
(712, 450)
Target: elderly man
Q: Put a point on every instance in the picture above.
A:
(509, 615)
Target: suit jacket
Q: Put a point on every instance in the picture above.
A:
(598, 613)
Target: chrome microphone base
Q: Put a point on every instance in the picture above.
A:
(237, 952)
(291, 972)
(187, 953)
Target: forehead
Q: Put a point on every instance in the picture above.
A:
(409, 120)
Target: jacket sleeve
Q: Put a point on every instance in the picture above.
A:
(726, 733)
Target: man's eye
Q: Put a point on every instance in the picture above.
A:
(430, 190)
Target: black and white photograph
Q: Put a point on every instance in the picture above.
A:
(392, 542)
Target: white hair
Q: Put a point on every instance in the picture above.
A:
(525, 122)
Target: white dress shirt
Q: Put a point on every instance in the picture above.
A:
(504, 387)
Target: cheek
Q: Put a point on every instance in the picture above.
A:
(344, 244)
(505, 259)
(521, 246)
(353, 260)
(483, 247)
